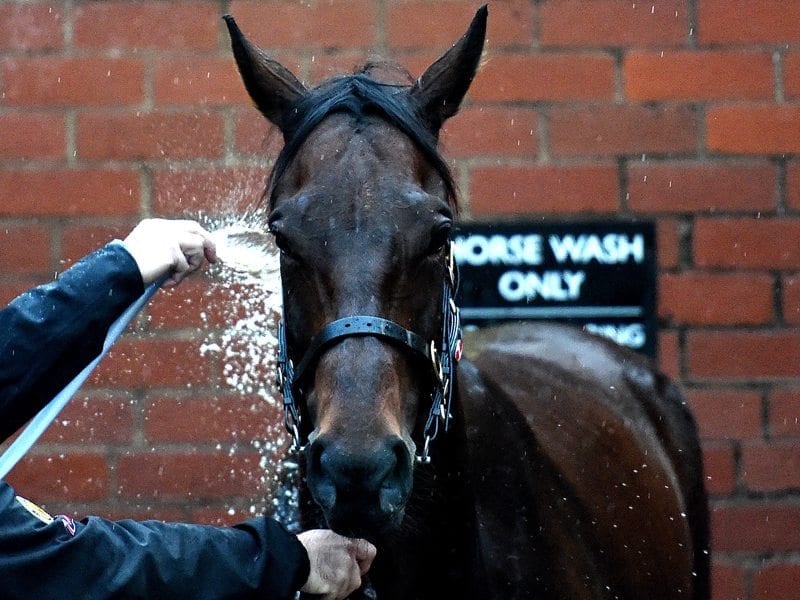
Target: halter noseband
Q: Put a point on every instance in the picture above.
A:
(441, 357)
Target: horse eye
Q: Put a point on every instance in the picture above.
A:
(440, 236)
(281, 240)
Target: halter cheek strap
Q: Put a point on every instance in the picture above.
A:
(441, 357)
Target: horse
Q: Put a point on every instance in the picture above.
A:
(544, 463)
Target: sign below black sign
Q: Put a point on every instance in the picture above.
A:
(599, 275)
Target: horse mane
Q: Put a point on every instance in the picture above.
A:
(361, 95)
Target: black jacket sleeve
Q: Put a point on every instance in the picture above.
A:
(98, 559)
(48, 334)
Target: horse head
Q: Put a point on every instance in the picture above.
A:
(361, 205)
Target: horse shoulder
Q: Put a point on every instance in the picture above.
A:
(594, 437)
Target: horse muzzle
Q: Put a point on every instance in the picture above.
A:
(361, 489)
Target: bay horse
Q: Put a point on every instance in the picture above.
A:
(551, 464)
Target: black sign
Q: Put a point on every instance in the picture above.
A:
(598, 275)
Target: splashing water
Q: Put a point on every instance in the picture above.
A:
(246, 249)
(249, 268)
(248, 274)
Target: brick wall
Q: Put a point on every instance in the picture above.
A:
(682, 111)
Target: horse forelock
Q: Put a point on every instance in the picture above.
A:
(374, 90)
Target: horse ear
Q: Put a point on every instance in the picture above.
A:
(442, 87)
(272, 86)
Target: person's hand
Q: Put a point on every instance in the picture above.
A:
(162, 246)
(337, 563)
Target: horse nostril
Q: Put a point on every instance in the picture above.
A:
(395, 487)
(322, 486)
(339, 474)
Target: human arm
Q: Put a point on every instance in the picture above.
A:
(97, 558)
(48, 334)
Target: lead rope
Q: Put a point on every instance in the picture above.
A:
(44, 417)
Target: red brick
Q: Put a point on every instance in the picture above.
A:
(301, 25)
(727, 582)
(758, 129)
(743, 356)
(777, 581)
(28, 26)
(724, 414)
(747, 243)
(771, 467)
(210, 420)
(68, 193)
(223, 516)
(25, 249)
(793, 184)
(152, 362)
(199, 302)
(545, 77)
(692, 187)
(198, 81)
(255, 135)
(73, 477)
(791, 75)
(78, 240)
(784, 412)
(185, 476)
(738, 298)
(423, 24)
(746, 22)
(605, 23)
(697, 75)
(146, 135)
(719, 467)
(160, 25)
(757, 526)
(609, 130)
(92, 419)
(791, 298)
(669, 353)
(346, 63)
(520, 190)
(215, 192)
(32, 135)
(668, 242)
(86, 81)
(487, 131)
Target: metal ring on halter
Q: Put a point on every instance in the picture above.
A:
(296, 445)
(451, 265)
(425, 457)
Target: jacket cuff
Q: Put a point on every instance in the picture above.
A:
(285, 560)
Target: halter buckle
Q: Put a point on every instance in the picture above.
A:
(451, 264)
(425, 457)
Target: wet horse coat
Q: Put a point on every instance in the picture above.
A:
(570, 468)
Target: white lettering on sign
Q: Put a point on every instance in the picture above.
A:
(609, 249)
(632, 335)
(516, 286)
(478, 250)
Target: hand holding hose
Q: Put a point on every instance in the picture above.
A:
(161, 246)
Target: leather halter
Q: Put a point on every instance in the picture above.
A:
(441, 355)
